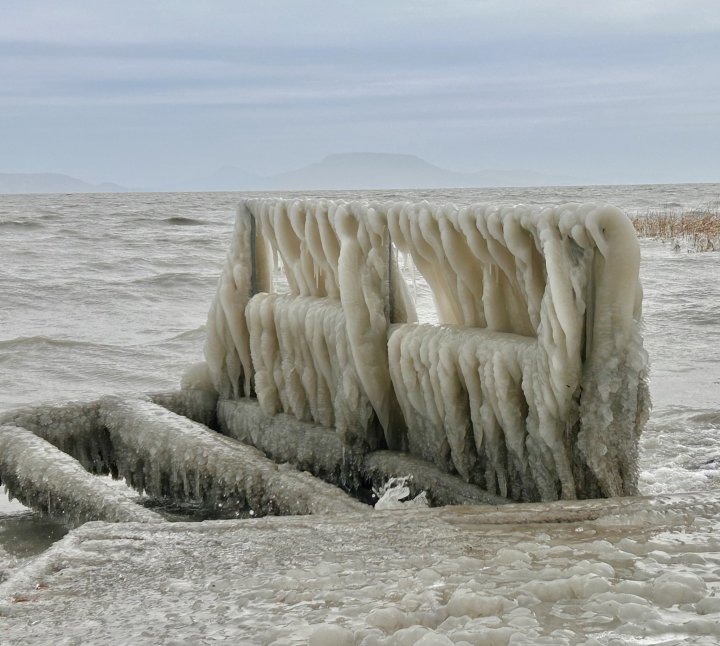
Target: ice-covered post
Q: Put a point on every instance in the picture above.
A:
(245, 272)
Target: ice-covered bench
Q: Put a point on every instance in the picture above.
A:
(533, 385)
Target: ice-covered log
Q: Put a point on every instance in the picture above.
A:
(50, 481)
(198, 405)
(166, 455)
(322, 452)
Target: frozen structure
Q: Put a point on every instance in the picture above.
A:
(531, 387)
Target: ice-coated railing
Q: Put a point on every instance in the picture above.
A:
(533, 386)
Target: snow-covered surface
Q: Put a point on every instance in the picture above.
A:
(646, 574)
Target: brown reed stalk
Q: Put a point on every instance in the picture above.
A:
(697, 229)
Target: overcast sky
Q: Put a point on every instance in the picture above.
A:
(141, 92)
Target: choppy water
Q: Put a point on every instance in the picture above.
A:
(109, 294)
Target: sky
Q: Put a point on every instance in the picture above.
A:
(146, 93)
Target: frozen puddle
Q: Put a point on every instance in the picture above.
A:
(648, 573)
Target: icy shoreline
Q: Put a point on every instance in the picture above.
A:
(646, 571)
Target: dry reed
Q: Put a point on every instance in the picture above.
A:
(698, 229)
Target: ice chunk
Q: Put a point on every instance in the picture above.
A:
(393, 493)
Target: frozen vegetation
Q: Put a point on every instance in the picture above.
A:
(696, 230)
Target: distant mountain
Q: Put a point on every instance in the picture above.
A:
(368, 170)
(374, 170)
(231, 178)
(52, 183)
(340, 171)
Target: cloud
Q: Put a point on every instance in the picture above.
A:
(450, 79)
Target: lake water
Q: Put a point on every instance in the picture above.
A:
(109, 294)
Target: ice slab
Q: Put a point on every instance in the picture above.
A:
(442, 488)
(645, 573)
(44, 478)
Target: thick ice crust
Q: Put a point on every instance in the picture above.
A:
(46, 479)
(166, 455)
(645, 574)
(535, 385)
(158, 453)
(322, 452)
(74, 428)
(554, 407)
(318, 353)
(198, 405)
(283, 438)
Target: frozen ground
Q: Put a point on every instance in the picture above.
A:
(648, 574)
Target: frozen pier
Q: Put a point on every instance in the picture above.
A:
(531, 387)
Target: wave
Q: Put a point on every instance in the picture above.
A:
(174, 279)
(184, 221)
(182, 336)
(29, 341)
(21, 224)
(707, 417)
(25, 342)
